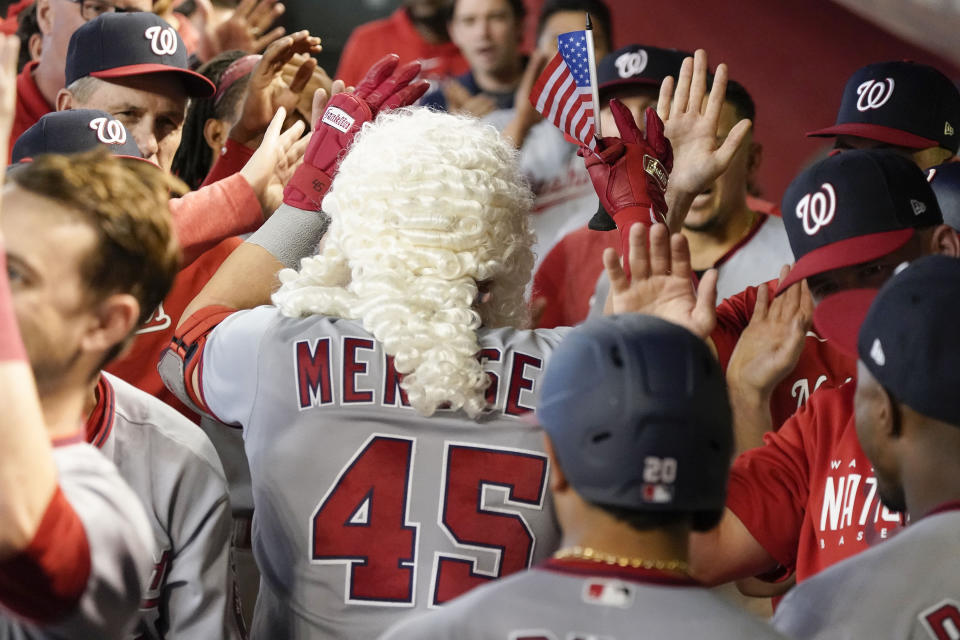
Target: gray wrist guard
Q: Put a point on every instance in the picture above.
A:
(291, 234)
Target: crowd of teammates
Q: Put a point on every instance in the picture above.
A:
(381, 354)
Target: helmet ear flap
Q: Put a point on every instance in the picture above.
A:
(701, 521)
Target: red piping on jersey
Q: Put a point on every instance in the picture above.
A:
(600, 569)
(761, 219)
(100, 421)
(952, 505)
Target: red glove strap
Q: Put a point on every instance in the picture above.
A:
(307, 188)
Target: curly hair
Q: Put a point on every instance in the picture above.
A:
(429, 214)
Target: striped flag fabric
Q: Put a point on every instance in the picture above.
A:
(562, 93)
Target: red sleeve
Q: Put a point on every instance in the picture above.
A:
(204, 217)
(769, 486)
(45, 581)
(188, 342)
(228, 163)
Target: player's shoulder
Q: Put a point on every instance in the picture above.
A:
(148, 421)
(542, 340)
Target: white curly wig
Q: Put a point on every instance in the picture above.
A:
(425, 206)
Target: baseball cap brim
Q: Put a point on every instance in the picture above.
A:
(876, 132)
(846, 253)
(838, 318)
(195, 85)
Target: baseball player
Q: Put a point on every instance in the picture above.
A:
(908, 421)
(75, 543)
(743, 238)
(423, 268)
(922, 130)
(181, 481)
(639, 454)
(807, 498)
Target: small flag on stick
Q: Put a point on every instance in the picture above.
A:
(563, 94)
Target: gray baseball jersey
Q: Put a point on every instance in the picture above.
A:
(908, 588)
(757, 258)
(174, 470)
(576, 600)
(365, 510)
(120, 547)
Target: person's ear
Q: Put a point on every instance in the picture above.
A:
(558, 481)
(215, 132)
(945, 241)
(117, 316)
(65, 100)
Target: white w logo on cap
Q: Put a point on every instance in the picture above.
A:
(109, 131)
(631, 63)
(163, 40)
(873, 94)
(816, 209)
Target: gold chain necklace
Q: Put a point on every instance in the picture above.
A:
(587, 553)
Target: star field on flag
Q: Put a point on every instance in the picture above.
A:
(562, 93)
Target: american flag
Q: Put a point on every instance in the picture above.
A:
(562, 93)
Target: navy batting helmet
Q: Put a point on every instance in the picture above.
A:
(945, 180)
(637, 410)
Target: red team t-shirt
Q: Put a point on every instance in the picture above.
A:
(396, 34)
(809, 496)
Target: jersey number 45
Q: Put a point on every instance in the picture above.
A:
(364, 519)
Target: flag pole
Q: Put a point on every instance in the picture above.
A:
(592, 61)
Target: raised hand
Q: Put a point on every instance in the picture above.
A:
(661, 283)
(387, 85)
(770, 346)
(247, 28)
(768, 349)
(691, 118)
(275, 160)
(268, 91)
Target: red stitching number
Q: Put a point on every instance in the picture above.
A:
(470, 472)
(363, 520)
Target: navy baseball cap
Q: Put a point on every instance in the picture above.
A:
(945, 180)
(637, 64)
(854, 207)
(75, 131)
(637, 411)
(905, 333)
(900, 103)
(120, 45)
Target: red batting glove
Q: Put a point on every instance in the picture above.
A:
(384, 87)
(630, 173)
